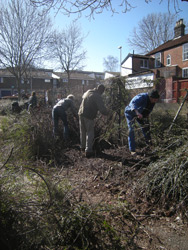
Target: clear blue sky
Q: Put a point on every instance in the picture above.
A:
(106, 32)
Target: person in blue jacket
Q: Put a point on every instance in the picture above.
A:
(139, 108)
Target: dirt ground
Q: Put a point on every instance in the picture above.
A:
(111, 176)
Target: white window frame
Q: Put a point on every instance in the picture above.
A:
(65, 80)
(158, 60)
(185, 72)
(185, 52)
(168, 60)
(144, 63)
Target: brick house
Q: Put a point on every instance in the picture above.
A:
(36, 80)
(80, 82)
(42, 80)
(167, 65)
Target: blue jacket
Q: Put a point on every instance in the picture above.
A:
(140, 102)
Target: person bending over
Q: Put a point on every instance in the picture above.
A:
(92, 102)
(59, 112)
(138, 110)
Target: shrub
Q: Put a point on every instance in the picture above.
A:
(166, 180)
(37, 213)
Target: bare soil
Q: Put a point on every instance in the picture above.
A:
(110, 177)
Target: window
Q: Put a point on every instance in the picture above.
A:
(157, 60)
(185, 51)
(185, 72)
(47, 80)
(143, 63)
(1, 79)
(65, 80)
(168, 60)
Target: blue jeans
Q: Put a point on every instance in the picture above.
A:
(59, 113)
(145, 127)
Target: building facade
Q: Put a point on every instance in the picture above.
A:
(166, 67)
(42, 80)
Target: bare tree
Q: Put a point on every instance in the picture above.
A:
(153, 30)
(66, 47)
(95, 6)
(110, 63)
(24, 32)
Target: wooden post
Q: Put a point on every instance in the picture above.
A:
(178, 111)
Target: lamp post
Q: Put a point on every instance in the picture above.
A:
(120, 49)
(119, 97)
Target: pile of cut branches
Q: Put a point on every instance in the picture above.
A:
(165, 182)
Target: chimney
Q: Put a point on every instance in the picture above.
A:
(179, 29)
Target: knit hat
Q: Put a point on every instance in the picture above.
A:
(154, 94)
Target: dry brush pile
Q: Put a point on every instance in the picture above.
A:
(165, 184)
(38, 207)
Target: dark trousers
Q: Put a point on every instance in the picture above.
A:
(59, 113)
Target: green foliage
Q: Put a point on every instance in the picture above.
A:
(161, 119)
(16, 131)
(117, 97)
(44, 212)
(40, 210)
(166, 180)
(110, 130)
(37, 213)
(30, 135)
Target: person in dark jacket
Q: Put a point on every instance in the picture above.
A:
(92, 102)
(59, 112)
(138, 109)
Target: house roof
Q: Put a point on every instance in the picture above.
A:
(74, 75)
(89, 72)
(109, 74)
(5, 72)
(112, 73)
(135, 55)
(93, 74)
(170, 44)
(48, 74)
(34, 73)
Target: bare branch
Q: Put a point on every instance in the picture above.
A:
(110, 63)
(153, 30)
(47, 185)
(24, 32)
(67, 49)
(95, 6)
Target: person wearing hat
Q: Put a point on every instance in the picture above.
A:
(92, 102)
(139, 108)
(59, 112)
